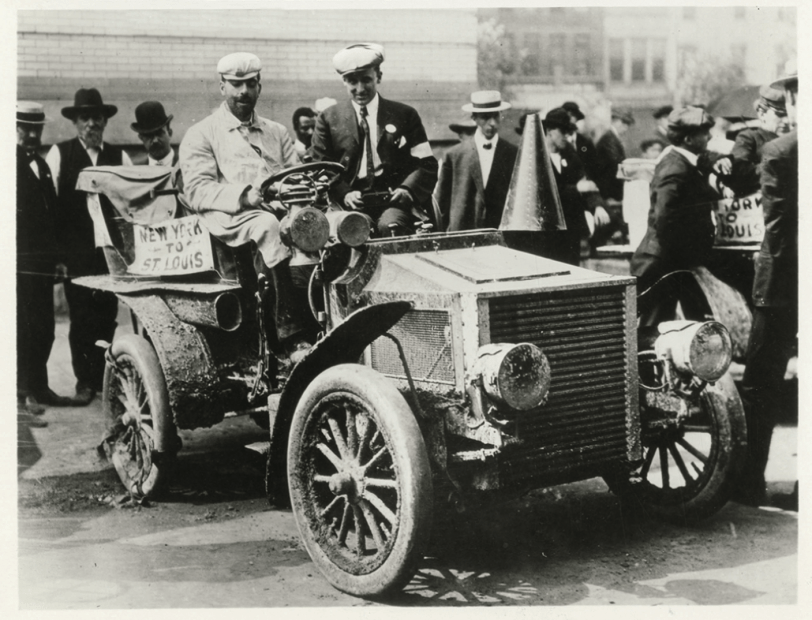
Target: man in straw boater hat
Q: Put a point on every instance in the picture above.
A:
(382, 145)
(224, 159)
(154, 129)
(37, 264)
(92, 313)
(475, 174)
(773, 336)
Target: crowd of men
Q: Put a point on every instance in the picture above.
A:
(391, 175)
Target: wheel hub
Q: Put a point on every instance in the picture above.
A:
(344, 483)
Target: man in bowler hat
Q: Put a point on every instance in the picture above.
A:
(382, 145)
(475, 174)
(92, 313)
(154, 129)
(37, 264)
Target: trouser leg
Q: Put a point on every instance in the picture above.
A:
(35, 333)
(290, 307)
(92, 318)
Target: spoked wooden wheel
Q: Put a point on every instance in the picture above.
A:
(136, 407)
(689, 463)
(360, 482)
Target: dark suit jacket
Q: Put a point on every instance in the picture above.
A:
(588, 155)
(338, 137)
(776, 280)
(37, 251)
(464, 202)
(572, 202)
(745, 177)
(680, 230)
(609, 152)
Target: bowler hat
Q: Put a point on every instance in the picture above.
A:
(558, 118)
(88, 100)
(31, 113)
(486, 102)
(573, 109)
(689, 118)
(663, 111)
(150, 117)
(623, 114)
(358, 57)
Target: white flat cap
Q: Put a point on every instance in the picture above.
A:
(358, 57)
(239, 66)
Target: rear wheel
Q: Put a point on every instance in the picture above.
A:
(690, 462)
(360, 482)
(140, 439)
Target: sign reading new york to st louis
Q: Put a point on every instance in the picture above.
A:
(740, 221)
(173, 247)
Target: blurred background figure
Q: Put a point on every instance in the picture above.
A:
(652, 148)
(154, 130)
(661, 118)
(37, 265)
(464, 129)
(584, 146)
(304, 122)
(610, 153)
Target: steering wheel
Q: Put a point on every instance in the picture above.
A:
(301, 185)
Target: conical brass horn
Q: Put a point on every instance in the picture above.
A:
(532, 202)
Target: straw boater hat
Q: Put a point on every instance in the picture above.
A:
(485, 102)
(88, 100)
(358, 57)
(31, 113)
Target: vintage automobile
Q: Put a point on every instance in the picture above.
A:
(452, 370)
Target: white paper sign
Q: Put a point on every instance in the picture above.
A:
(740, 221)
(173, 247)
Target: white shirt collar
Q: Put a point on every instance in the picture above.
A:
(481, 140)
(166, 161)
(372, 109)
(692, 158)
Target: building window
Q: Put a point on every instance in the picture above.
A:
(556, 52)
(582, 56)
(657, 47)
(532, 48)
(616, 58)
(689, 12)
(638, 60)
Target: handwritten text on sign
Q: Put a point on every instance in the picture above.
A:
(173, 247)
(740, 221)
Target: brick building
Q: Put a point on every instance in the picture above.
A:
(171, 55)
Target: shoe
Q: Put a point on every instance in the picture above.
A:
(83, 396)
(29, 420)
(297, 349)
(51, 398)
(30, 405)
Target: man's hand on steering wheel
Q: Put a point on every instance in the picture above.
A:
(401, 197)
(354, 201)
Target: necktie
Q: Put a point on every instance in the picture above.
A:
(487, 146)
(367, 146)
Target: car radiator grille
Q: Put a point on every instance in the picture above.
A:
(582, 427)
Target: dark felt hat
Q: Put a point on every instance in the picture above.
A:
(88, 100)
(663, 111)
(558, 118)
(573, 109)
(150, 117)
(689, 118)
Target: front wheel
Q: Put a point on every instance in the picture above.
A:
(689, 463)
(140, 438)
(360, 482)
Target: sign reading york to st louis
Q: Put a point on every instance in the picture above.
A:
(173, 247)
(740, 221)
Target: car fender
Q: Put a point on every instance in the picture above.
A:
(344, 344)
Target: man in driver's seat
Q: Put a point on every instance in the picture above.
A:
(224, 158)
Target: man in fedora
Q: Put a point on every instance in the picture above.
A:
(37, 264)
(475, 174)
(92, 313)
(224, 160)
(382, 145)
(155, 132)
(773, 336)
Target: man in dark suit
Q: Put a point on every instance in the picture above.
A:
(154, 129)
(584, 146)
(37, 264)
(92, 313)
(773, 336)
(381, 144)
(680, 230)
(475, 174)
(609, 154)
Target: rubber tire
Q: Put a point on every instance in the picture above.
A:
(135, 351)
(691, 505)
(404, 440)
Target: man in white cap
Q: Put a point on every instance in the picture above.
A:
(224, 159)
(475, 174)
(37, 259)
(381, 143)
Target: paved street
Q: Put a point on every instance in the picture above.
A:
(214, 541)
